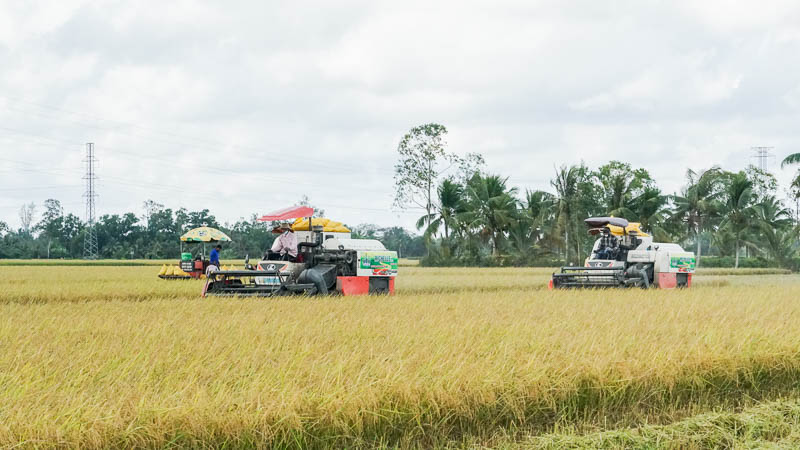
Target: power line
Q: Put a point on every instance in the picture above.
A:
(161, 160)
(196, 142)
(93, 119)
(35, 168)
(136, 157)
(36, 188)
(139, 185)
(148, 186)
(39, 137)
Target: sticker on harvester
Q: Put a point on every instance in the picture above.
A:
(268, 281)
(683, 263)
(378, 263)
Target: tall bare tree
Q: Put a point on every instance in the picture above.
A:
(422, 157)
(26, 213)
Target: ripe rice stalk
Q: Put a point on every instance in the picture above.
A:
(114, 357)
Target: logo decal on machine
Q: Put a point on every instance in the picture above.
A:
(683, 263)
(379, 263)
(601, 264)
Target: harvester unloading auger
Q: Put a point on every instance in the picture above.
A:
(328, 262)
(625, 256)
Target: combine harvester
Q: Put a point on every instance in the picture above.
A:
(625, 256)
(328, 262)
(191, 267)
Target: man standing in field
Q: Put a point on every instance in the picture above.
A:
(214, 257)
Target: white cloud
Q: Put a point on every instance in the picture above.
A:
(678, 82)
(792, 98)
(247, 106)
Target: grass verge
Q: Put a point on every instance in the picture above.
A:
(771, 424)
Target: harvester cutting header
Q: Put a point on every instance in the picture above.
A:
(625, 256)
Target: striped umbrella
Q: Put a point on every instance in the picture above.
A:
(205, 234)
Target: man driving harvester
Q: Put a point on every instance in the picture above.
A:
(285, 245)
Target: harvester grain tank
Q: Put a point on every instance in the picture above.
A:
(329, 261)
(625, 256)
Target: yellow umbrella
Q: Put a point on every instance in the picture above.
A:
(205, 234)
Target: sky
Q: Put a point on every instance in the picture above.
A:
(246, 107)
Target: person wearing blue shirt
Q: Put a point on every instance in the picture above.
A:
(214, 256)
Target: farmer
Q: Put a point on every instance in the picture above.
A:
(214, 256)
(285, 245)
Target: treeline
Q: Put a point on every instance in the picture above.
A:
(472, 217)
(475, 218)
(155, 234)
(483, 221)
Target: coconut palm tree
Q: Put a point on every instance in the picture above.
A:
(650, 209)
(774, 221)
(619, 185)
(773, 213)
(529, 227)
(449, 195)
(618, 197)
(739, 211)
(490, 208)
(698, 202)
(566, 186)
(794, 158)
(539, 209)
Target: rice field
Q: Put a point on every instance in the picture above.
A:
(104, 356)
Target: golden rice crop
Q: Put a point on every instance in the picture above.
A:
(742, 271)
(113, 356)
(33, 284)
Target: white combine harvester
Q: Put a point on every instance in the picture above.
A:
(328, 262)
(625, 256)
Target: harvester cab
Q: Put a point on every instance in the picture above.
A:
(625, 256)
(328, 261)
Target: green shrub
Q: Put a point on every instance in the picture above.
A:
(730, 261)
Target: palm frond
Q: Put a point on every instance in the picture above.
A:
(794, 158)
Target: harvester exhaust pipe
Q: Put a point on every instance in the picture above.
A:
(318, 231)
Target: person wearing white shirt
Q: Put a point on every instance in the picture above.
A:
(285, 245)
